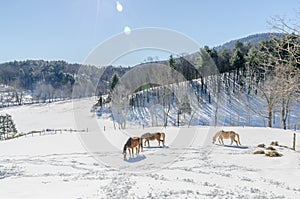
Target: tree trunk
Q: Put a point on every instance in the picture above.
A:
(270, 114)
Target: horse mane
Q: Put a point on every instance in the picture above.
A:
(128, 143)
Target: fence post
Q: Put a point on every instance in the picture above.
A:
(294, 142)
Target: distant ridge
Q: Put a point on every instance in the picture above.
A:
(252, 39)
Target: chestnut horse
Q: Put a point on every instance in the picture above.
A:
(159, 136)
(132, 142)
(227, 135)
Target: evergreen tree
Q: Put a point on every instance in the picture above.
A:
(114, 80)
(237, 61)
(7, 126)
(172, 62)
(224, 63)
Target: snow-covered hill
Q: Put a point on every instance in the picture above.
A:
(227, 105)
(67, 165)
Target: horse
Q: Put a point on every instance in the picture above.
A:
(159, 136)
(226, 135)
(132, 142)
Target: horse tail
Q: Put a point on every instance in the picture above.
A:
(128, 143)
(163, 135)
(124, 149)
(141, 140)
(238, 137)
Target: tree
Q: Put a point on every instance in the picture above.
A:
(172, 62)
(262, 79)
(273, 75)
(114, 80)
(287, 73)
(224, 60)
(7, 126)
(237, 61)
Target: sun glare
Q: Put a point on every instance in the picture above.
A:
(127, 30)
(119, 6)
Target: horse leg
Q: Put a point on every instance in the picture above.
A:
(236, 142)
(222, 142)
(128, 149)
(129, 152)
(162, 141)
(141, 144)
(132, 152)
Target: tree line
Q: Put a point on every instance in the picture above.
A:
(268, 71)
(47, 81)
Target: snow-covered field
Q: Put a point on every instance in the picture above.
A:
(90, 164)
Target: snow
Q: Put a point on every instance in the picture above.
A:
(81, 165)
(234, 108)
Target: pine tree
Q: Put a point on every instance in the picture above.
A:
(172, 62)
(7, 126)
(114, 80)
(237, 60)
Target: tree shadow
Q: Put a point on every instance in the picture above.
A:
(135, 159)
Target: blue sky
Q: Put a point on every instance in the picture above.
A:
(70, 29)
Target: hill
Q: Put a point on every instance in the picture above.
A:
(251, 39)
(50, 80)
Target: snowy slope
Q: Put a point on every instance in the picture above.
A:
(233, 107)
(64, 165)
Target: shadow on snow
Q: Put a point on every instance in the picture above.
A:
(155, 147)
(233, 146)
(135, 159)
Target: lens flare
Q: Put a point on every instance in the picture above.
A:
(119, 6)
(127, 30)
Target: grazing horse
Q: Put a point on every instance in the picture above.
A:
(159, 136)
(132, 142)
(227, 135)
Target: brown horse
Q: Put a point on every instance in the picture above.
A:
(227, 135)
(159, 136)
(132, 142)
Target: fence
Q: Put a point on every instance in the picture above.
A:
(43, 132)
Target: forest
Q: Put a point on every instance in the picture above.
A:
(267, 73)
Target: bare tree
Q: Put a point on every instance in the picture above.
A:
(275, 75)
(287, 58)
